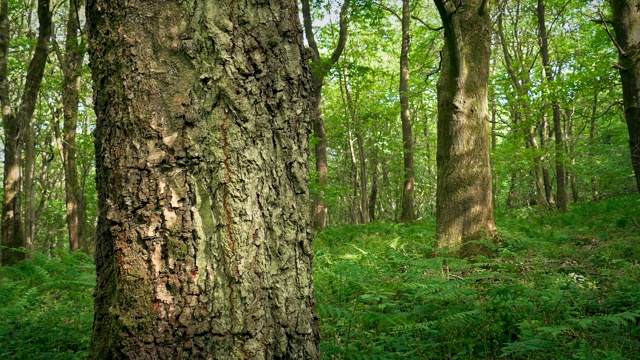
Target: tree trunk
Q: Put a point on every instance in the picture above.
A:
(464, 209)
(204, 243)
(595, 195)
(373, 195)
(71, 65)
(364, 202)
(546, 177)
(522, 88)
(14, 127)
(29, 184)
(320, 69)
(562, 197)
(626, 22)
(408, 213)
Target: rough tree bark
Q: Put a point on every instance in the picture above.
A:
(14, 124)
(626, 23)
(321, 68)
(464, 206)
(408, 213)
(562, 197)
(204, 239)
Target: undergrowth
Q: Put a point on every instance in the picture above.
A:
(561, 287)
(46, 307)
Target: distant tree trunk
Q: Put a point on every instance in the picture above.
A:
(572, 178)
(320, 69)
(592, 138)
(530, 141)
(358, 159)
(408, 213)
(29, 184)
(562, 197)
(204, 243)
(71, 64)
(626, 22)
(464, 209)
(546, 177)
(14, 127)
(373, 195)
(356, 208)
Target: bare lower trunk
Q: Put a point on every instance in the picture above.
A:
(72, 70)
(29, 185)
(319, 206)
(562, 196)
(464, 209)
(408, 213)
(320, 69)
(204, 239)
(373, 195)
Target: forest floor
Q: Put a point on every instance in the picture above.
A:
(560, 287)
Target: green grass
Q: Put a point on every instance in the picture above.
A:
(561, 287)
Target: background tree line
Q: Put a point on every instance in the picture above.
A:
(555, 103)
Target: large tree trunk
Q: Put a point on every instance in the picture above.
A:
(14, 124)
(626, 22)
(464, 208)
(320, 70)
(562, 195)
(204, 240)
(408, 213)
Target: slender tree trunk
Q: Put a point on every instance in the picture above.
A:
(320, 69)
(408, 213)
(29, 184)
(546, 177)
(373, 195)
(204, 243)
(319, 206)
(14, 124)
(71, 64)
(592, 138)
(530, 141)
(626, 22)
(356, 210)
(561, 197)
(572, 178)
(364, 191)
(464, 209)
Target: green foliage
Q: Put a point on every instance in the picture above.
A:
(46, 307)
(561, 287)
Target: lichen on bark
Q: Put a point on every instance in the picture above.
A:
(202, 158)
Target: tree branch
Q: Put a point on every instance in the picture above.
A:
(606, 27)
